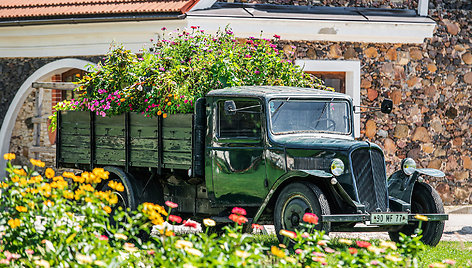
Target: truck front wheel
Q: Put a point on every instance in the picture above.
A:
(294, 201)
(127, 198)
(424, 200)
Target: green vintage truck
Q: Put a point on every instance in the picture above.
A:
(279, 152)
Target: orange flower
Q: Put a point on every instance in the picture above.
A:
(164, 115)
(310, 218)
(122, 99)
(116, 186)
(169, 103)
(159, 113)
(49, 173)
(239, 219)
(107, 209)
(363, 244)
(9, 156)
(21, 209)
(14, 223)
(37, 163)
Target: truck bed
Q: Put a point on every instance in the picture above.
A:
(85, 140)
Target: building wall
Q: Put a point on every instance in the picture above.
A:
(431, 87)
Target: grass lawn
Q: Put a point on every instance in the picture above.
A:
(461, 252)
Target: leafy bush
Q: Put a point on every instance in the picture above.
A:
(178, 69)
(51, 220)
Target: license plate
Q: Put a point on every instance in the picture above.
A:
(388, 218)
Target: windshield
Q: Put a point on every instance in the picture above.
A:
(300, 116)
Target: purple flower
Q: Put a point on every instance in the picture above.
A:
(161, 69)
(247, 56)
(257, 72)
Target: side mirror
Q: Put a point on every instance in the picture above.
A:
(230, 107)
(386, 106)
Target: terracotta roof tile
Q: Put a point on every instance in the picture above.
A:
(10, 9)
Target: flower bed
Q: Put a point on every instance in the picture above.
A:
(74, 229)
(183, 66)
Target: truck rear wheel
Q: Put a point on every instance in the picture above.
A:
(127, 198)
(294, 201)
(424, 200)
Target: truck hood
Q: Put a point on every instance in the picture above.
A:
(304, 141)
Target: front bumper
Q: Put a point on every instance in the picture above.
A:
(342, 220)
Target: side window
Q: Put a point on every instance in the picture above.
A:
(245, 123)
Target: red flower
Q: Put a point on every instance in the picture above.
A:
(310, 218)
(151, 252)
(190, 223)
(363, 244)
(238, 218)
(352, 250)
(174, 218)
(239, 211)
(276, 36)
(103, 238)
(257, 226)
(171, 204)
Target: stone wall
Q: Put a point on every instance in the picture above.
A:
(431, 87)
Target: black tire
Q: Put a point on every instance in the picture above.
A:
(299, 198)
(424, 200)
(127, 198)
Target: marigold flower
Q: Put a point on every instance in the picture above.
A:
(9, 156)
(209, 222)
(277, 252)
(37, 163)
(421, 217)
(363, 244)
(14, 223)
(310, 218)
(107, 209)
(21, 208)
(239, 211)
(174, 218)
(164, 115)
(116, 186)
(122, 99)
(171, 204)
(49, 173)
(288, 234)
(159, 112)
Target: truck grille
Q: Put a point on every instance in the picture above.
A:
(369, 172)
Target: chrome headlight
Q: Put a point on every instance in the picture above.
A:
(408, 166)
(337, 167)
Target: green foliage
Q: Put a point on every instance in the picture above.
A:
(51, 220)
(180, 68)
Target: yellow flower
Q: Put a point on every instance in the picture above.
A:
(82, 259)
(209, 222)
(48, 203)
(233, 235)
(375, 249)
(242, 254)
(107, 209)
(291, 259)
(277, 252)
(116, 186)
(393, 258)
(9, 156)
(388, 244)
(194, 251)
(99, 263)
(130, 247)
(19, 172)
(37, 163)
(169, 103)
(78, 179)
(421, 217)
(49, 173)
(101, 173)
(67, 174)
(14, 223)
(87, 187)
(122, 99)
(68, 194)
(3, 184)
(15, 179)
(183, 244)
(345, 241)
(121, 236)
(21, 208)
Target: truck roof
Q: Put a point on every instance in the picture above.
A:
(270, 92)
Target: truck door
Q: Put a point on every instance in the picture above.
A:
(238, 166)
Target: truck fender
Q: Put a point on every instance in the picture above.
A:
(129, 184)
(291, 174)
(400, 185)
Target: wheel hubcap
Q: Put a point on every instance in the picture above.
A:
(293, 212)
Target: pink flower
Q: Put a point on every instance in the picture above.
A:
(190, 223)
(239, 211)
(352, 250)
(298, 251)
(174, 218)
(171, 204)
(310, 218)
(363, 244)
(151, 252)
(318, 254)
(103, 238)
(276, 36)
(239, 219)
(329, 250)
(29, 251)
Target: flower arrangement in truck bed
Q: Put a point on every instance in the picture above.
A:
(179, 68)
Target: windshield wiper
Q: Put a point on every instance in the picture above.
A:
(324, 109)
(280, 106)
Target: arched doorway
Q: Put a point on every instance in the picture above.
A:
(42, 74)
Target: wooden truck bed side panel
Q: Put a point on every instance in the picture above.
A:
(110, 141)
